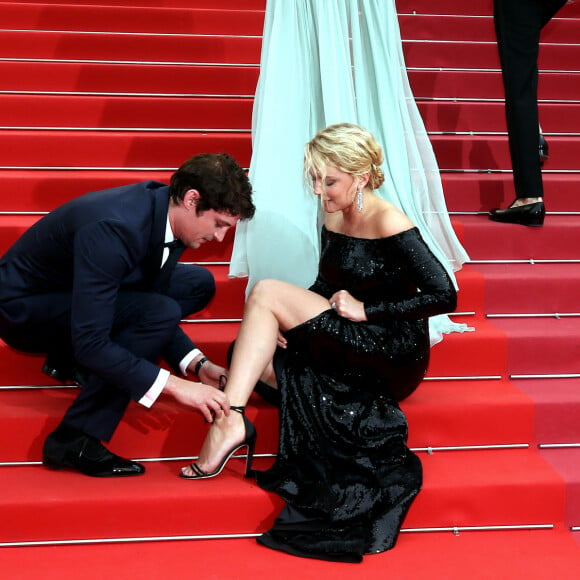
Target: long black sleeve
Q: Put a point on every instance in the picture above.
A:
(436, 293)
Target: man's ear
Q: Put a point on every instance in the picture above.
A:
(190, 198)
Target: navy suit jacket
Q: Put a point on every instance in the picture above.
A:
(92, 247)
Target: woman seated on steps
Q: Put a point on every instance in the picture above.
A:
(355, 344)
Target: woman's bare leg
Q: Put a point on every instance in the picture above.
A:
(271, 306)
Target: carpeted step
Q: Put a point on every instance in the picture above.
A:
(199, 80)
(186, 20)
(198, 49)
(459, 352)
(557, 403)
(107, 78)
(567, 462)
(542, 346)
(461, 488)
(34, 111)
(163, 150)
(440, 414)
(475, 7)
(167, 430)
(41, 191)
(476, 28)
(485, 117)
(242, 50)
(476, 55)
(463, 350)
(13, 226)
(488, 240)
(468, 192)
(482, 85)
(499, 554)
(116, 149)
(548, 288)
(491, 152)
(201, 4)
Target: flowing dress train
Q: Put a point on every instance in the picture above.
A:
(324, 62)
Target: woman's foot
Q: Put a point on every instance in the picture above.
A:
(519, 201)
(525, 211)
(224, 435)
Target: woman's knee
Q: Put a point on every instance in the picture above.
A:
(264, 291)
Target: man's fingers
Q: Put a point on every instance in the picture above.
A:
(224, 405)
(207, 414)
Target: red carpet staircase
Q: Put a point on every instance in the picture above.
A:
(99, 93)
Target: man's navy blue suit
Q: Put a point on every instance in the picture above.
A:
(88, 275)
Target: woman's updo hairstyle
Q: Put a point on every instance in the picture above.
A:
(347, 147)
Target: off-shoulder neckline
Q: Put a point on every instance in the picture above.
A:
(393, 236)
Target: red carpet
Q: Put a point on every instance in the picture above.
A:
(81, 110)
(501, 555)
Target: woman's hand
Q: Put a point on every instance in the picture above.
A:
(347, 306)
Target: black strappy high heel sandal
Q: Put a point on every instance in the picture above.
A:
(249, 441)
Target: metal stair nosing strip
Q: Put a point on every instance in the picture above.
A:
(455, 530)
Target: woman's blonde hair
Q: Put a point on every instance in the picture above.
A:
(347, 147)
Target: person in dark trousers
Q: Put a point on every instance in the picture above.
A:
(95, 285)
(518, 24)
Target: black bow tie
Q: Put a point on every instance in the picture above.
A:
(174, 244)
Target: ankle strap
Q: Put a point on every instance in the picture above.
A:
(238, 409)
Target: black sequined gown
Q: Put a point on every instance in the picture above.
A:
(343, 466)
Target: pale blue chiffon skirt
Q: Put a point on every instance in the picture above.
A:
(325, 62)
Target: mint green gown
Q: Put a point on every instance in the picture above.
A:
(325, 62)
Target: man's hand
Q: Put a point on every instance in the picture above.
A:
(211, 374)
(206, 399)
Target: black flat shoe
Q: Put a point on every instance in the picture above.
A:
(249, 441)
(543, 150)
(87, 455)
(531, 214)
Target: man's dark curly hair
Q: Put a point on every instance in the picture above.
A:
(222, 184)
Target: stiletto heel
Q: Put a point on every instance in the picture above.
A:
(543, 149)
(249, 442)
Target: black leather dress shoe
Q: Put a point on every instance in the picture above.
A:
(87, 455)
(531, 214)
(65, 373)
(58, 372)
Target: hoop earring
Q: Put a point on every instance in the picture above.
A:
(359, 200)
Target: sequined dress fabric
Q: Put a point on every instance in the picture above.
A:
(343, 466)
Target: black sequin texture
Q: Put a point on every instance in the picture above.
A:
(343, 465)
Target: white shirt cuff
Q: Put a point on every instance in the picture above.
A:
(187, 359)
(154, 391)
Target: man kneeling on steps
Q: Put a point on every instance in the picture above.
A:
(95, 286)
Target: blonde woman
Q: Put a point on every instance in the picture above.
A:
(344, 353)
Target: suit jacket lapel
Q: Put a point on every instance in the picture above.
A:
(155, 251)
